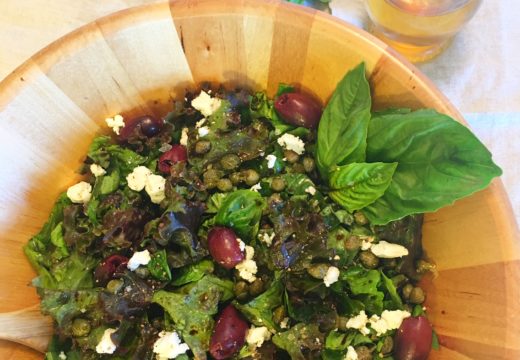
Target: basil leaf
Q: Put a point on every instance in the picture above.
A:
(357, 185)
(158, 266)
(241, 210)
(439, 159)
(342, 131)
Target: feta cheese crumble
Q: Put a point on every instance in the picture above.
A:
(184, 137)
(80, 193)
(169, 346)
(106, 345)
(351, 354)
(311, 190)
(386, 250)
(257, 335)
(139, 258)
(203, 131)
(266, 238)
(247, 268)
(137, 178)
(271, 161)
(359, 322)
(241, 244)
(154, 187)
(206, 104)
(62, 356)
(256, 187)
(389, 320)
(331, 276)
(284, 324)
(97, 170)
(116, 123)
(291, 142)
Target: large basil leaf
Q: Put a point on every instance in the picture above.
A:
(357, 185)
(241, 210)
(439, 159)
(342, 131)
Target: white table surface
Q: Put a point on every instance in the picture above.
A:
(480, 72)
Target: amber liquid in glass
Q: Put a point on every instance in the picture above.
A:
(419, 29)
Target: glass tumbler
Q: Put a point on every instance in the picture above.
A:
(419, 29)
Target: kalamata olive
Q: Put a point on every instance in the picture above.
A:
(105, 271)
(229, 334)
(298, 109)
(175, 155)
(413, 340)
(224, 247)
(148, 125)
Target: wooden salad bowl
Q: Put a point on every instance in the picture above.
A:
(137, 60)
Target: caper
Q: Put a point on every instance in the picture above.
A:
(363, 353)
(278, 184)
(142, 272)
(225, 185)
(290, 156)
(352, 243)
(424, 266)
(360, 218)
(297, 168)
(318, 271)
(399, 280)
(241, 290)
(388, 345)
(236, 178)
(211, 177)
(279, 314)
(389, 263)
(202, 147)
(406, 291)
(309, 164)
(230, 162)
(368, 259)
(256, 288)
(114, 285)
(251, 177)
(417, 296)
(80, 327)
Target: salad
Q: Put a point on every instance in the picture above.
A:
(244, 227)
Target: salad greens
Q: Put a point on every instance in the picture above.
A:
(203, 235)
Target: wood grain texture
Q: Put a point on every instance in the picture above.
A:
(137, 60)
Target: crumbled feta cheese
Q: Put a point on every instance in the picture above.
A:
(139, 258)
(331, 276)
(311, 190)
(206, 104)
(136, 180)
(291, 142)
(389, 320)
(336, 257)
(62, 356)
(388, 250)
(256, 187)
(241, 244)
(199, 123)
(154, 187)
(80, 193)
(266, 238)
(365, 245)
(169, 346)
(247, 268)
(351, 354)
(257, 335)
(359, 322)
(116, 123)
(106, 345)
(97, 170)
(284, 324)
(184, 137)
(203, 131)
(271, 160)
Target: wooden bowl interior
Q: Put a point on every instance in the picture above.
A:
(136, 61)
